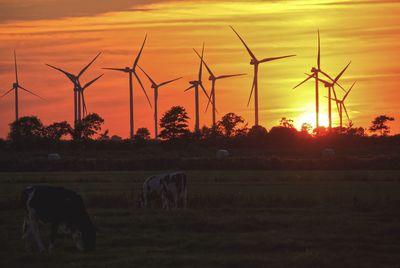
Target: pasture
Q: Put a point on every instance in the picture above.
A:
(234, 219)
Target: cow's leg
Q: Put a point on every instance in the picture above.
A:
(53, 236)
(27, 234)
(34, 224)
(165, 201)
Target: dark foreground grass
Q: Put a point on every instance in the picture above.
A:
(235, 219)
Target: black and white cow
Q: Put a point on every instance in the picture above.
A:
(63, 209)
(169, 190)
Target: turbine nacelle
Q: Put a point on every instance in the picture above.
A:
(253, 62)
(15, 85)
(314, 70)
(127, 69)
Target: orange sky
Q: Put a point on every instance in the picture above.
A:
(68, 34)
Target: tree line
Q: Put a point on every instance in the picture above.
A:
(29, 131)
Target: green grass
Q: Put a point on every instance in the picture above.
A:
(235, 219)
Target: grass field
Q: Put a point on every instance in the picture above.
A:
(234, 219)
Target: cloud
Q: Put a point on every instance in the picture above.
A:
(21, 10)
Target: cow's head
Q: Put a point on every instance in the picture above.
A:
(85, 235)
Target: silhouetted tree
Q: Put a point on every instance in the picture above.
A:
(286, 122)
(57, 130)
(257, 132)
(380, 124)
(26, 129)
(104, 136)
(174, 123)
(142, 134)
(88, 127)
(320, 131)
(306, 128)
(229, 124)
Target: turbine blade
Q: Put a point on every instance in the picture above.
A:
(209, 100)
(345, 110)
(244, 43)
(334, 94)
(305, 80)
(168, 82)
(91, 82)
(148, 76)
(87, 66)
(192, 86)
(347, 93)
(205, 64)
(15, 66)
(115, 69)
(251, 92)
(141, 85)
(7, 92)
(319, 52)
(201, 64)
(339, 101)
(83, 103)
(140, 53)
(69, 75)
(21, 87)
(205, 93)
(341, 73)
(228, 76)
(276, 58)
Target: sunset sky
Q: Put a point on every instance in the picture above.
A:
(69, 33)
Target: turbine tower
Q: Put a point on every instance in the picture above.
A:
(78, 89)
(195, 84)
(132, 71)
(343, 107)
(156, 86)
(331, 89)
(255, 62)
(17, 86)
(213, 78)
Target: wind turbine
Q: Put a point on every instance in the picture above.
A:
(255, 62)
(331, 88)
(78, 89)
(213, 78)
(343, 107)
(17, 86)
(195, 84)
(156, 86)
(130, 71)
(315, 74)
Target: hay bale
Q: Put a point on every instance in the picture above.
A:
(222, 154)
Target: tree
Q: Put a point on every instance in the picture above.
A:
(174, 123)
(142, 134)
(89, 126)
(306, 128)
(286, 122)
(228, 124)
(104, 136)
(57, 130)
(380, 124)
(257, 132)
(26, 129)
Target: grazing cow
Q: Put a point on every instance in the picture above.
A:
(168, 189)
(63, 209)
